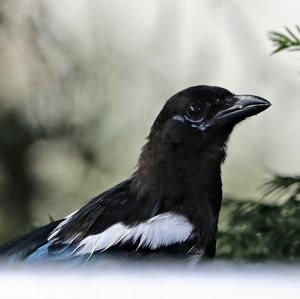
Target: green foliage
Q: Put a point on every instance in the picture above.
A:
(260, 231)
(282, 186)
(286, 41)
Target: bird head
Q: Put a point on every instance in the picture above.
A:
(187, 141)
(200, 114)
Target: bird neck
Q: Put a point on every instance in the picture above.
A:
(180, 176)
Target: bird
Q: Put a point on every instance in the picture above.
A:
(170, 205)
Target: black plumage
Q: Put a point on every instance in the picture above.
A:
(171, 203)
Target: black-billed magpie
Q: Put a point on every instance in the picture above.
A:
(170, 205)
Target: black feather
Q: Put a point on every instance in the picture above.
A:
(21, 247)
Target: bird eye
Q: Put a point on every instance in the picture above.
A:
(193, 112)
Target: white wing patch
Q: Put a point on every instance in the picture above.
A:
(162, 230)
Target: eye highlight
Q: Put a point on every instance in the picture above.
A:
(193, 112)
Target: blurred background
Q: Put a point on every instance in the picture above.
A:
(82, 80)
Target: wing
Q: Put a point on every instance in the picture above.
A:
(37, 243)
(20, 248)
(115, 221)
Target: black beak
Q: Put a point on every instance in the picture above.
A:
(241, 107)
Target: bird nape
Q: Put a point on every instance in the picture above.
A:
(170, 205)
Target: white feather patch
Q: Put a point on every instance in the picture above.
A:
(161, 230)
